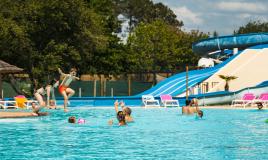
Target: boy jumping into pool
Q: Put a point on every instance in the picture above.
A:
(64, 89)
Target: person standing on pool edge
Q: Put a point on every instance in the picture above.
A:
(64, 89)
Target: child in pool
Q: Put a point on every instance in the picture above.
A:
(127, 111)
(120, 115)
(191, 110)
(72, 119)
(36, 110)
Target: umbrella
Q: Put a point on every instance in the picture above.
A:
(6, 68)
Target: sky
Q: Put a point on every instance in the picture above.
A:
(223, 16)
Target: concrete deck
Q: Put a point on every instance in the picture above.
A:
(19, 114)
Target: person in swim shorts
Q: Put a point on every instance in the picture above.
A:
(64, 88)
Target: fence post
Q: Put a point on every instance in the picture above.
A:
(95, 88)
(104, 87)
(112, 92)
(129, 84)
(186, 77)
(80, 94)
(101, 86)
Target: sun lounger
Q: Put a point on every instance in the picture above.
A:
(23, 102)
(149, 101)
(168, 101)
(261, 100)
(8, 104)
(14, 105)
(246, 100)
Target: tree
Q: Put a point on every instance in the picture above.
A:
(44, 35)
(111, 59)
(227, 79)
(253, 27)
(157, 46)
(146, 11)
(215, 34)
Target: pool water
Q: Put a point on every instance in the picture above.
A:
(156, 134)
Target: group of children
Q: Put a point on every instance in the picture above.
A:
(49, 88)
(124, 116)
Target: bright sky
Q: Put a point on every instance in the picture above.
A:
(224, 16)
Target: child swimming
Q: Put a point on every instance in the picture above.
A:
(72, 119)
(127, 111)
(64, 89)
(120, 115)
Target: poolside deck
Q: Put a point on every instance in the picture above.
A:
(20, 114)
(230, 107)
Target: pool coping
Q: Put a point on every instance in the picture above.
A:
(230, 107)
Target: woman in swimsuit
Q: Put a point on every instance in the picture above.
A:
(64, 89)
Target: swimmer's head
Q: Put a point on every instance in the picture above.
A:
(52, 102)
(33, 104)
(200, 113)
(72, 119)
(120, 116)
(127, 110)
(73, 71)
(35, 107)
(260, 106)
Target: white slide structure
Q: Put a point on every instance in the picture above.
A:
(250, 68)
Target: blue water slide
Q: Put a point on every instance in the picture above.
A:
(175, 85)
(240, 41)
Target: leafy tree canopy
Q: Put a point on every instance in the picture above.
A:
(160, 47)
(253, 27)
(41, 36)
(146, 11)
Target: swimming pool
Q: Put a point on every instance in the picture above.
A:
(155, 134)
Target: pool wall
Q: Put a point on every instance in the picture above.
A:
(109, 101)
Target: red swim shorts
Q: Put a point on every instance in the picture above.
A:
(62, 88)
